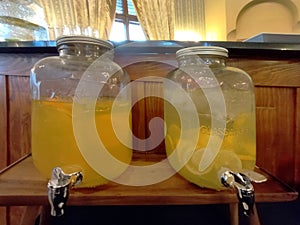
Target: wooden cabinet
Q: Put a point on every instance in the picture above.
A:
(277, 88)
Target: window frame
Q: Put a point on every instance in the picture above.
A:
(126, 18)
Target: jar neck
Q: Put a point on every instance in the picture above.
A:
(81, 50)
(210, 60)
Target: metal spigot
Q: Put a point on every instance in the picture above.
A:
(244, 187)
(58, 189)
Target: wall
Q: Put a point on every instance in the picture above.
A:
(246, 18)
(215, 20)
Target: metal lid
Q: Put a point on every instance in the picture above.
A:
(83, 40)
(203, 50)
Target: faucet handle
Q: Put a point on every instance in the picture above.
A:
(244, 187)
(254, 176)
(58, 189)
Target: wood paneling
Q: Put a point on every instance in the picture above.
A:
(138, 110)
(154, 116)
(16, 213)
(19, 64)
(146, 108)
(275, 131)
(272, 73)
(146, 72)
(3, 217)
(3, 136)
(3, 122)
(297, 141)
(19, 117)
(277, 98)
(19, 125)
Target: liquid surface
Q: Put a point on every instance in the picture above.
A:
(54, 144)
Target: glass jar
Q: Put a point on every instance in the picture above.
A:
(22, 20)
(54, 88)
(221, 117)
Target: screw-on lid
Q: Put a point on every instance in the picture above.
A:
(203, 50)
(83, 40)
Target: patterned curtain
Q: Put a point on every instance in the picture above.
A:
(156, 18)
(88, 17)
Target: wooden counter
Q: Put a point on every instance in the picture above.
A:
(21, 184)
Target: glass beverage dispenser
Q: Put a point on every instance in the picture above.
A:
(54, 81)
(222, 116)
(22, 20)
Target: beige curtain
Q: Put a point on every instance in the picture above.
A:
(172, 19)
(87, 17)
(156, 18)
(189, 20)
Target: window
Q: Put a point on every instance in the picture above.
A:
(126, 25)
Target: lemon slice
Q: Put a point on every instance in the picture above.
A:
(210, 176)
(210, 153)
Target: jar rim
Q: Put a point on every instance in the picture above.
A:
(67, 39)
(203, 50)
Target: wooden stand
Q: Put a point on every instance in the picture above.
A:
(21, 184)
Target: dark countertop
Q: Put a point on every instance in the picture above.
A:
(236, 49)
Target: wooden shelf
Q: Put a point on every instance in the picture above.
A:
(21, 184)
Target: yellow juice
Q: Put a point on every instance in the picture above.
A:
(237, 152)
(54, 144)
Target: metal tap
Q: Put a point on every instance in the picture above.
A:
(58, 189)
(244, 187)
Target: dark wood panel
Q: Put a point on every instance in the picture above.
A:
(297, 144)
(19, 89)
(138, 112)
(15, 214)
(264, 72)
(280, 73)
(149, 66)
(19, 117)
(3, 215)
(3, 123)
(19, 129)
(278, 109)
(19, 64)
(276, 131)
(154, 111)
(3, 136)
